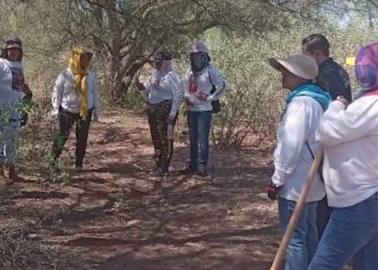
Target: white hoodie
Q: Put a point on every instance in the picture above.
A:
(350, 139)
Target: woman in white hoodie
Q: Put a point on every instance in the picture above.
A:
(204, 85)
(349, 134)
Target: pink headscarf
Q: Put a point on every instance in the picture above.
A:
(366, 68)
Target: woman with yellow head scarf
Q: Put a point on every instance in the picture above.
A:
(74, 101)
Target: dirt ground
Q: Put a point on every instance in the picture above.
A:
(116, 216)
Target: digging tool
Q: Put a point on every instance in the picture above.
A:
(281, 252)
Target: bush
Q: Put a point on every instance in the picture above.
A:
(255, 101)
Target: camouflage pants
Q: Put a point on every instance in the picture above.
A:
(157, 120)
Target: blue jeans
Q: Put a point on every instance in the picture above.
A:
(199, 128)
(9, 135)
(351, 235)
(304, 241)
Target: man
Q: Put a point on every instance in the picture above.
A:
(164, 96)
(333, 78)
(74, 101)
(293, 154)
(349, 134)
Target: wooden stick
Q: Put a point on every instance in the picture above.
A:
(278, 262)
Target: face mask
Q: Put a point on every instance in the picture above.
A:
(198, 61)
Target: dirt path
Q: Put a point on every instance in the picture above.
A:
(114, 216)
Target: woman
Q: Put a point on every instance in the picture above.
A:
(349, 134)
(294, 152)
(164, 96)
(74, 101)
(13, 53)
(204, 85)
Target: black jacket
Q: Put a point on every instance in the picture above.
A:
(334, 78)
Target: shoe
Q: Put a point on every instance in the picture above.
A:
(10, 174)
(54, 167)
(79, 168)
(157, 173)
(202, 172)
(188, 171)
(2, 170)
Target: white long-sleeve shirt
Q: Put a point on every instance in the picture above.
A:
(292, 158)
(9, 99)
(208, 77)
(350, 139)
(168, 86)
(64, 93)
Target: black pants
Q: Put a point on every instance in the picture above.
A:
(66, 122)
(157, 120)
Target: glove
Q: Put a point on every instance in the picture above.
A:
(272, 192)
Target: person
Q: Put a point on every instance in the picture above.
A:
(293, 154)
(349, 135)
(164, 96)
(13, 55)
(332, 76)
(204, 84)
(335, 79)
(74, 101)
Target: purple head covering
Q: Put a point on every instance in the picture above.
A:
(366, 67)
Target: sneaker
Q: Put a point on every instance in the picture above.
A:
(11, 175)
(202, 172)
(188, 171)
(54, 167)
(156, 172)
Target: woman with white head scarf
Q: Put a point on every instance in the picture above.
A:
(164, 96)
(204, 85)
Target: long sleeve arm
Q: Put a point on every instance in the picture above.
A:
(56, 98)
(177, 86)
(339, 125)
(291, 137)
(96, 107)
(218, 81)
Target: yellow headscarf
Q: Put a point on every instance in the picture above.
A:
(79, 68)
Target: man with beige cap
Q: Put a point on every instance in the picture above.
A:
(294, 153)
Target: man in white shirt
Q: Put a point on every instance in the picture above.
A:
(74, 101)
(349, 134)
(293, 155)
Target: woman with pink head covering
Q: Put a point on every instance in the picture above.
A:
(349, 133)
(204, 86)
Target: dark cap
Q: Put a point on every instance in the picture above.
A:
(13, 42)
(162, 55)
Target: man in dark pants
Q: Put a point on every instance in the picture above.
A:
(74, 101)
(333, 78)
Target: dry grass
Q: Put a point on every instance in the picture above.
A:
(22, 252)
